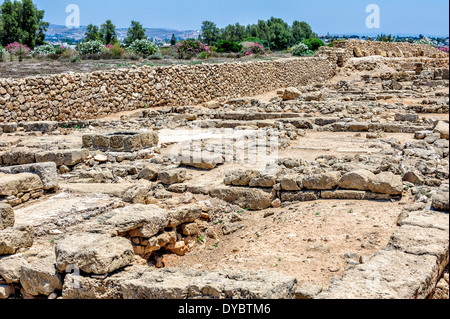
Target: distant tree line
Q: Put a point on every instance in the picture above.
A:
(22, 22)
(107, 34)
(275, 33)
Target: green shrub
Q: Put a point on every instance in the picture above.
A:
(131, 56)
(156, 56)
(90, 47)
(234, 55)
(313, 44)
(203, 55)
(45, 49)
(104, 55)
(228, 46)
(144, 47)
(299, 49)
(116, 50)
(3, 53)
(75, 59)
(69, 53)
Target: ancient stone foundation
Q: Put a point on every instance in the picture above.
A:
(120, 141)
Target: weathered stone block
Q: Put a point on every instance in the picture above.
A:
(12, 239)
(13, 184)
(6, 216)
(93, 253)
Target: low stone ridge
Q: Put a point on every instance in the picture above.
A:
(250, 198)
(13, 184)
(182, 284)
(121, 141)
(23, 156)
(40, 126)
(93, 253)
(63, 157)
(81, 287)
(46, 171)
(146, 283)
(383, 183)
(357, 184)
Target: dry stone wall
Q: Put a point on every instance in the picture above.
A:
(92, 95)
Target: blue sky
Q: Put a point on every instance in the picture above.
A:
(348, 16)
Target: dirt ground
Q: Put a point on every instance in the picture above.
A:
(308, 240)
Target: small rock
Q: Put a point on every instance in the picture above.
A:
(333, 269)
(276, 203)
(101, 158)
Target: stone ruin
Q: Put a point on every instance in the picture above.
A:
(169, 202)
(120, 141)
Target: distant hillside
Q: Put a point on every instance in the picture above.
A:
(58, 32)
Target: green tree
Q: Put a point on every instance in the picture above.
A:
(9, 24)
(173, 41)
(234, 33)
(301, 31)
(210, 32)
(385, 38)
(28, 23)
(92, 33)
(135, 32)
(280, 36)
(43, 26)
(251, 31)
(263, 30)
(21, 21)
(108, 33)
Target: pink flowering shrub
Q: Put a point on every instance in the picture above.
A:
(444, 49)
(18, 49)
(191, 47)
(255, 49)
